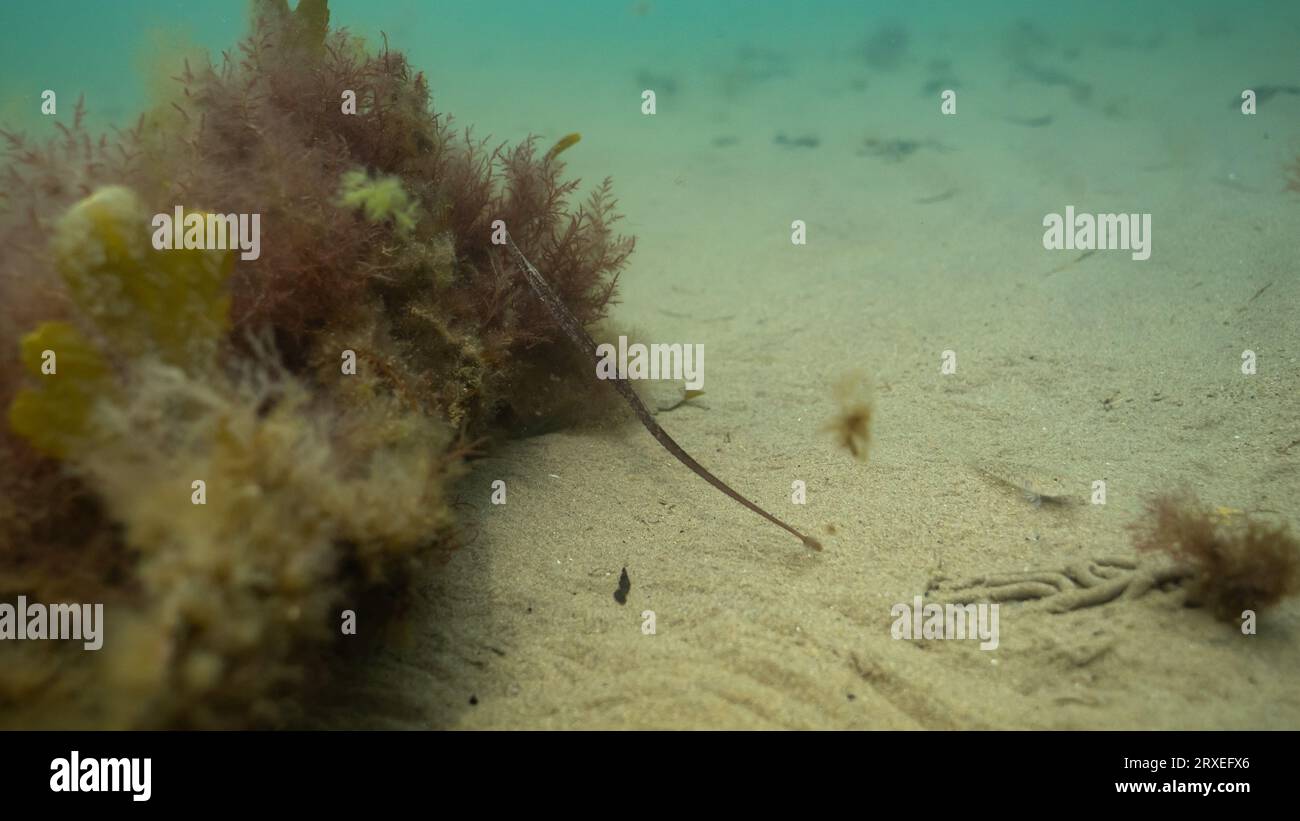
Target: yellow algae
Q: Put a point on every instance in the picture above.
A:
(306, 27)
(563, 144)
(311, 19)
(144, 302)
(55, 414)
(1224, 513)
(172, 303)
(379, 199)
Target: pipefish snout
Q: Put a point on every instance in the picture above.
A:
(578, 336)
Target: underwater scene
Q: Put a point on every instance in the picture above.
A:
(353, 374)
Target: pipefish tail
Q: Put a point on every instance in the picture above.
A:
(578, 336)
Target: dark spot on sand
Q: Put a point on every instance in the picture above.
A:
(624, 587)
(803, 141)
(886, 47)
(896, 149)
(1031, 122)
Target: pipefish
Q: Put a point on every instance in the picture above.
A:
(578, 336)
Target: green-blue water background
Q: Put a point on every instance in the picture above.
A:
(710, 183)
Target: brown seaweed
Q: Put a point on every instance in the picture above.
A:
(378, 227)
(1238, 562)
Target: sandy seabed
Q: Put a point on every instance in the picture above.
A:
(1069, 370)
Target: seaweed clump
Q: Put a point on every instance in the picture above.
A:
(324, 392)
(852, 423)
(1238, 562)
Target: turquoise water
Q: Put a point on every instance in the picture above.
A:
(736, 71)
(494, 57)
